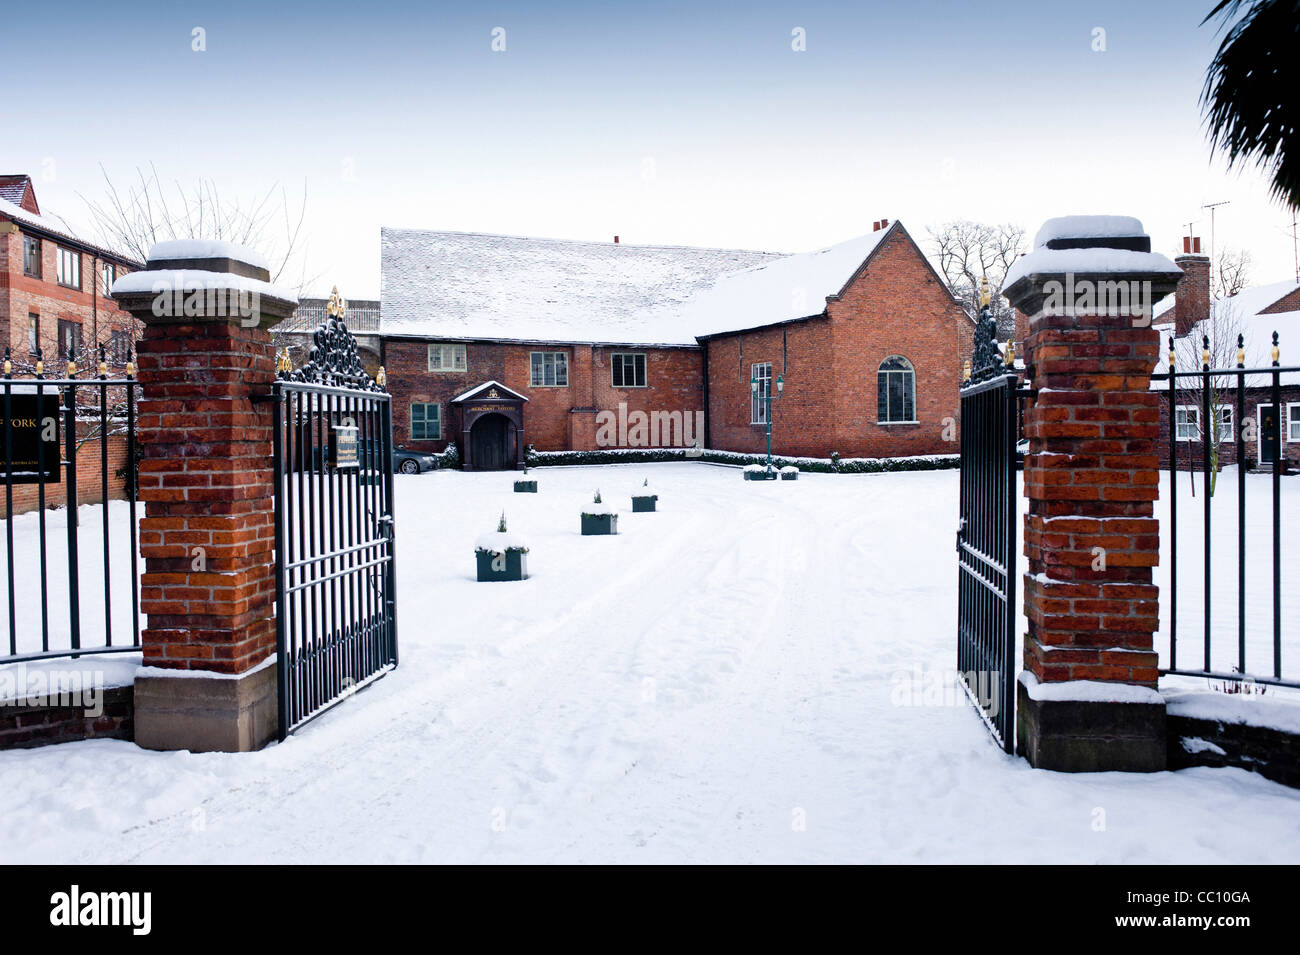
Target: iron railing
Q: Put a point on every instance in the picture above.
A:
(1209, 390)
(44, 620)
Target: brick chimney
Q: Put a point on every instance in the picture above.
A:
(1192, 300)
(616, 240)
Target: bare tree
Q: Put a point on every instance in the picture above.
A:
(1231, 274)
(968, 252)
(1191, 353)
(133, 218)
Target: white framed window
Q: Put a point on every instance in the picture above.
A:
(1187, 423)
(1227, 431)
(69, 271)
(627, 370)
(446, 357)
(550, 369)
(758, 403)
(33, 332)
(1293, 422)
(896, 391)
(108, 273)
(426, 421)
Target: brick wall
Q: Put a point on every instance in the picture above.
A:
(40, 724)
(673, 382)
(895, 306)
(22, 295)
(90, 488)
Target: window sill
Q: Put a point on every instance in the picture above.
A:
(629, 387)
(447, 371)
(548, 386)
(891, 424)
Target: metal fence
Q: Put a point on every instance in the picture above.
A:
(47, 422)
(1212, 392)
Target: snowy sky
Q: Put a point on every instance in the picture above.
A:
(688, 123)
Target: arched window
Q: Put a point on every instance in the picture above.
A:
(895, 391)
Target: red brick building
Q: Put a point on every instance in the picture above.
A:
(498, 342)
(54, 286)
(1255, 313)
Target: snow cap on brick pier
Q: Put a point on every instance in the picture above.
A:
(1088, 248)
(185, 279)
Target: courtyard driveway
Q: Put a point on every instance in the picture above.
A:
(753, 674)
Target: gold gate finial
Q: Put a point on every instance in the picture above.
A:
(984, 291)
(337, 306)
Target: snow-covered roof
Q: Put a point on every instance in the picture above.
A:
(486, 385)
(461, 285)
(1243, 313)
(13, 188)
(781, 290)
(56, 226)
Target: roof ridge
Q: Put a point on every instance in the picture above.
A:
(588, 242)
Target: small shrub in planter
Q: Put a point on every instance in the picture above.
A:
(526, 484)
(759, 472)
(645, 500)
(501, 556)
(789, 473)
(598, 518)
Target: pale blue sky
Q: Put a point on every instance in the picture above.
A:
(665, 123)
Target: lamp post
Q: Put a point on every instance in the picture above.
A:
(767, 398)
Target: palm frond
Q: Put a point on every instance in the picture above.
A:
(1248, 98)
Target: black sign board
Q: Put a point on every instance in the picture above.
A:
(343, 449)
(32, 432)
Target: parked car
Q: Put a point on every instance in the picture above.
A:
(413, 462)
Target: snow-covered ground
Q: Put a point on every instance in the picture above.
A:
(741, 676)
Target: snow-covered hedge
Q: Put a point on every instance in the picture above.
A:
(832, 465)
(448, 459)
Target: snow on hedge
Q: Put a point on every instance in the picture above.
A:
(499, 542)
(831, 465)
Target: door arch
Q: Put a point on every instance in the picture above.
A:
(491, 437)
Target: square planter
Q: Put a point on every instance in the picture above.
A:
(599, 524)
(526, 487)
(516, 565)
(644, 502)
(760, 475)
(791, 474)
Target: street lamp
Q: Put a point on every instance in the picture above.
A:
(768, 398)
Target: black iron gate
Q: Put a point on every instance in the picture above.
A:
(987, 539)
(336, 626)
